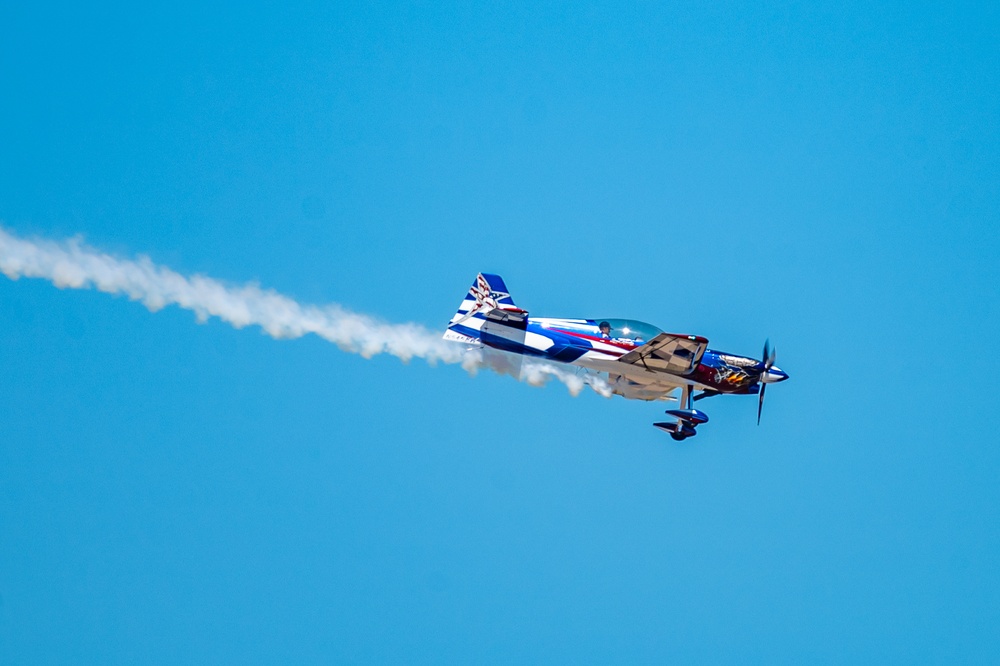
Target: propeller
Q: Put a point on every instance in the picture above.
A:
(768, 358)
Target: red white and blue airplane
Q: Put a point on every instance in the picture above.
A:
(639, 360)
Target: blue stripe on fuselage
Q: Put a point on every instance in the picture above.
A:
(565, 348)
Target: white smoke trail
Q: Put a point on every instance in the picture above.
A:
(534, 371)
(73, 265)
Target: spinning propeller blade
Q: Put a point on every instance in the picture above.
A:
(768, 359)
(768, 355)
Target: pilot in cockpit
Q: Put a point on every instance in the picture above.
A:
(605, 330)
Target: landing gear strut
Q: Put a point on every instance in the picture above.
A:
(688, 418)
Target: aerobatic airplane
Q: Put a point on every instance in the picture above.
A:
(639, 360)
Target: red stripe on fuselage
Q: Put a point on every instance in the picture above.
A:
(622, 345)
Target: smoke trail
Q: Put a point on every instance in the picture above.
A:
(73, 265)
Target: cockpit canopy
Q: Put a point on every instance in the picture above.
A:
(628, 329)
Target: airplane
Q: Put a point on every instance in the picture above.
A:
(641, 361)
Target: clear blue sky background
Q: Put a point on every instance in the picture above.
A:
(829, 177)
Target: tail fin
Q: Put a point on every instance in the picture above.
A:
(488, 293)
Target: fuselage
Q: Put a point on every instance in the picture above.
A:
(597, 344)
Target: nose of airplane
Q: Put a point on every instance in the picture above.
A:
(774, 375)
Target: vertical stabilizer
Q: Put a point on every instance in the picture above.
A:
(487, 293)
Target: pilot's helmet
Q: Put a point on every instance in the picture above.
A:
(604, 325)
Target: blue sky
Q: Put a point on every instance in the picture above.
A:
(827, 177)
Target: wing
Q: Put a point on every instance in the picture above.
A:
(668, 352)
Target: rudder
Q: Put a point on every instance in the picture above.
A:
(487, 293)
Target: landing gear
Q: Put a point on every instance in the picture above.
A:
(678, 430)
(688, 418)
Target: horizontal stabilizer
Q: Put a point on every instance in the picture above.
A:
(515, 319)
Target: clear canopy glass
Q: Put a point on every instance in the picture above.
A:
(627, 329)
